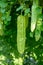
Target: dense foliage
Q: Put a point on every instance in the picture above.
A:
(21, 32)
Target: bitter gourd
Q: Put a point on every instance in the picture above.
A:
(21, 33)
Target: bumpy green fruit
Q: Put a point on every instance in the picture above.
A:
(21, 33)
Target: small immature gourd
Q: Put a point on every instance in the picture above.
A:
(38, 29)
(38, 26)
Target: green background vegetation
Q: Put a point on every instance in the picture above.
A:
(9, 55)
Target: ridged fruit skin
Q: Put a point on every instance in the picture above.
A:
(21, 33)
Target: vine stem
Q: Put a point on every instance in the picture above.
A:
(36, 2)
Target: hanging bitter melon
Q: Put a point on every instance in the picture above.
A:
(38, 29)
(21, 33)
(38, 25)
(33, 17)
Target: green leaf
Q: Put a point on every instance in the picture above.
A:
(19, 8)
(2, 10)
(0, 26)
(37, 35)
(3, 4)
(31, 34)
(39, 10)
(42, 26)
(8, 18)
(6, 22)
(27, 11)
(3, 17)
